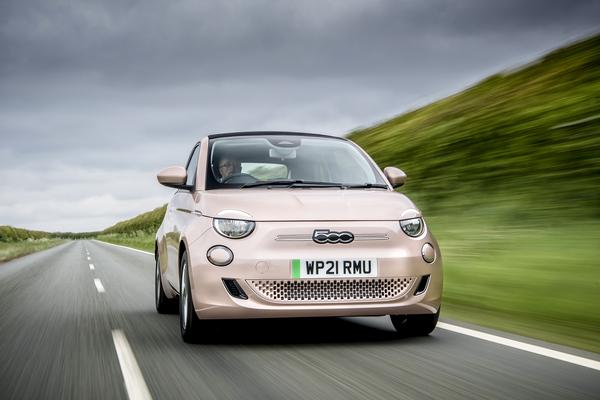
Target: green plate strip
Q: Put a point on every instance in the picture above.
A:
(295, 269)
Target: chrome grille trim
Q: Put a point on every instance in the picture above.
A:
(307, 237)
(344, 290)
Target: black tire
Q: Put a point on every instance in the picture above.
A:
(164, 305)
(189, 323)
(415, 325)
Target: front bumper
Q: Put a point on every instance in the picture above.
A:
(261, 260)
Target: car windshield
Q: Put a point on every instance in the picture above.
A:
(288, 161)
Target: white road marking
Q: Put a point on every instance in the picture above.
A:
(92, 267)
(558, 355)
(99, 286)
(134, 380)
(89, 258)
(125, 247)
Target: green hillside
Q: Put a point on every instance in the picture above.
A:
(524, 143)
(147, 222)
(136, 232)
(10, 234)
(507, 173)
(17, 242)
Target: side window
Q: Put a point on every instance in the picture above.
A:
(192, 167)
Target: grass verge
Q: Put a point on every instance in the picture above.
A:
(537, 281)
(11, 250)
(141, 241)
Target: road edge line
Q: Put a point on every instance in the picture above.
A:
(531, 348)
(125, 247)
(132, 375)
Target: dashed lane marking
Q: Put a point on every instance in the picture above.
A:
(99, 285)
(134, 380)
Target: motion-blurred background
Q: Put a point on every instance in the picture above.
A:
(497, 127)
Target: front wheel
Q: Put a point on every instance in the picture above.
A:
(189, 322)
(415, 325)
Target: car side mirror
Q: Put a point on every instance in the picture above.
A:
(395, 176)
(174, 177)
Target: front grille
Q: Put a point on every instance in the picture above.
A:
(332, 290)
(308, 237)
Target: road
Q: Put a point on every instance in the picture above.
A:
(57, 342)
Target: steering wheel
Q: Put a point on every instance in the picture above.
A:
(239, 178)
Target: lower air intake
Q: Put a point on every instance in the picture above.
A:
(332, 290)
(234, 289)
(422, 285)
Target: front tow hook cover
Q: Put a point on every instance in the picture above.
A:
(428, 253)
(219, 256)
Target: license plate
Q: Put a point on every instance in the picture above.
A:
(337, 268)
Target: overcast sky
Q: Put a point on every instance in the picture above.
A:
(97, 97)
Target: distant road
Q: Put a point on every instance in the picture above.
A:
(71, 330)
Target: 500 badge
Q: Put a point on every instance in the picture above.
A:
(323, 236)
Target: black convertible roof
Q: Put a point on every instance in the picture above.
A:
(272, 133)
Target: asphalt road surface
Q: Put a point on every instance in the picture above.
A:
(68, 331)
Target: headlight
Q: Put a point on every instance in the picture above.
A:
(412, 227)
(233, 228)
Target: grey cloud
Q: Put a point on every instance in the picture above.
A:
(131, 42)
(67, 198)
(96, 97)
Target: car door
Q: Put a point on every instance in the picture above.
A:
(179, 215)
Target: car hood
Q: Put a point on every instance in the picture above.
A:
(306, 204)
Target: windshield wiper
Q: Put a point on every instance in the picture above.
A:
(367, 186)
(292, 183)
(283, 182)
(318, 184)
(288, 183)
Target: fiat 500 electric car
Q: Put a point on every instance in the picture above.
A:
(281, 224)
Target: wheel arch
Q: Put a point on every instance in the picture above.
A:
(182, 249)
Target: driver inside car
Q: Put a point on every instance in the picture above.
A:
(228, 167)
